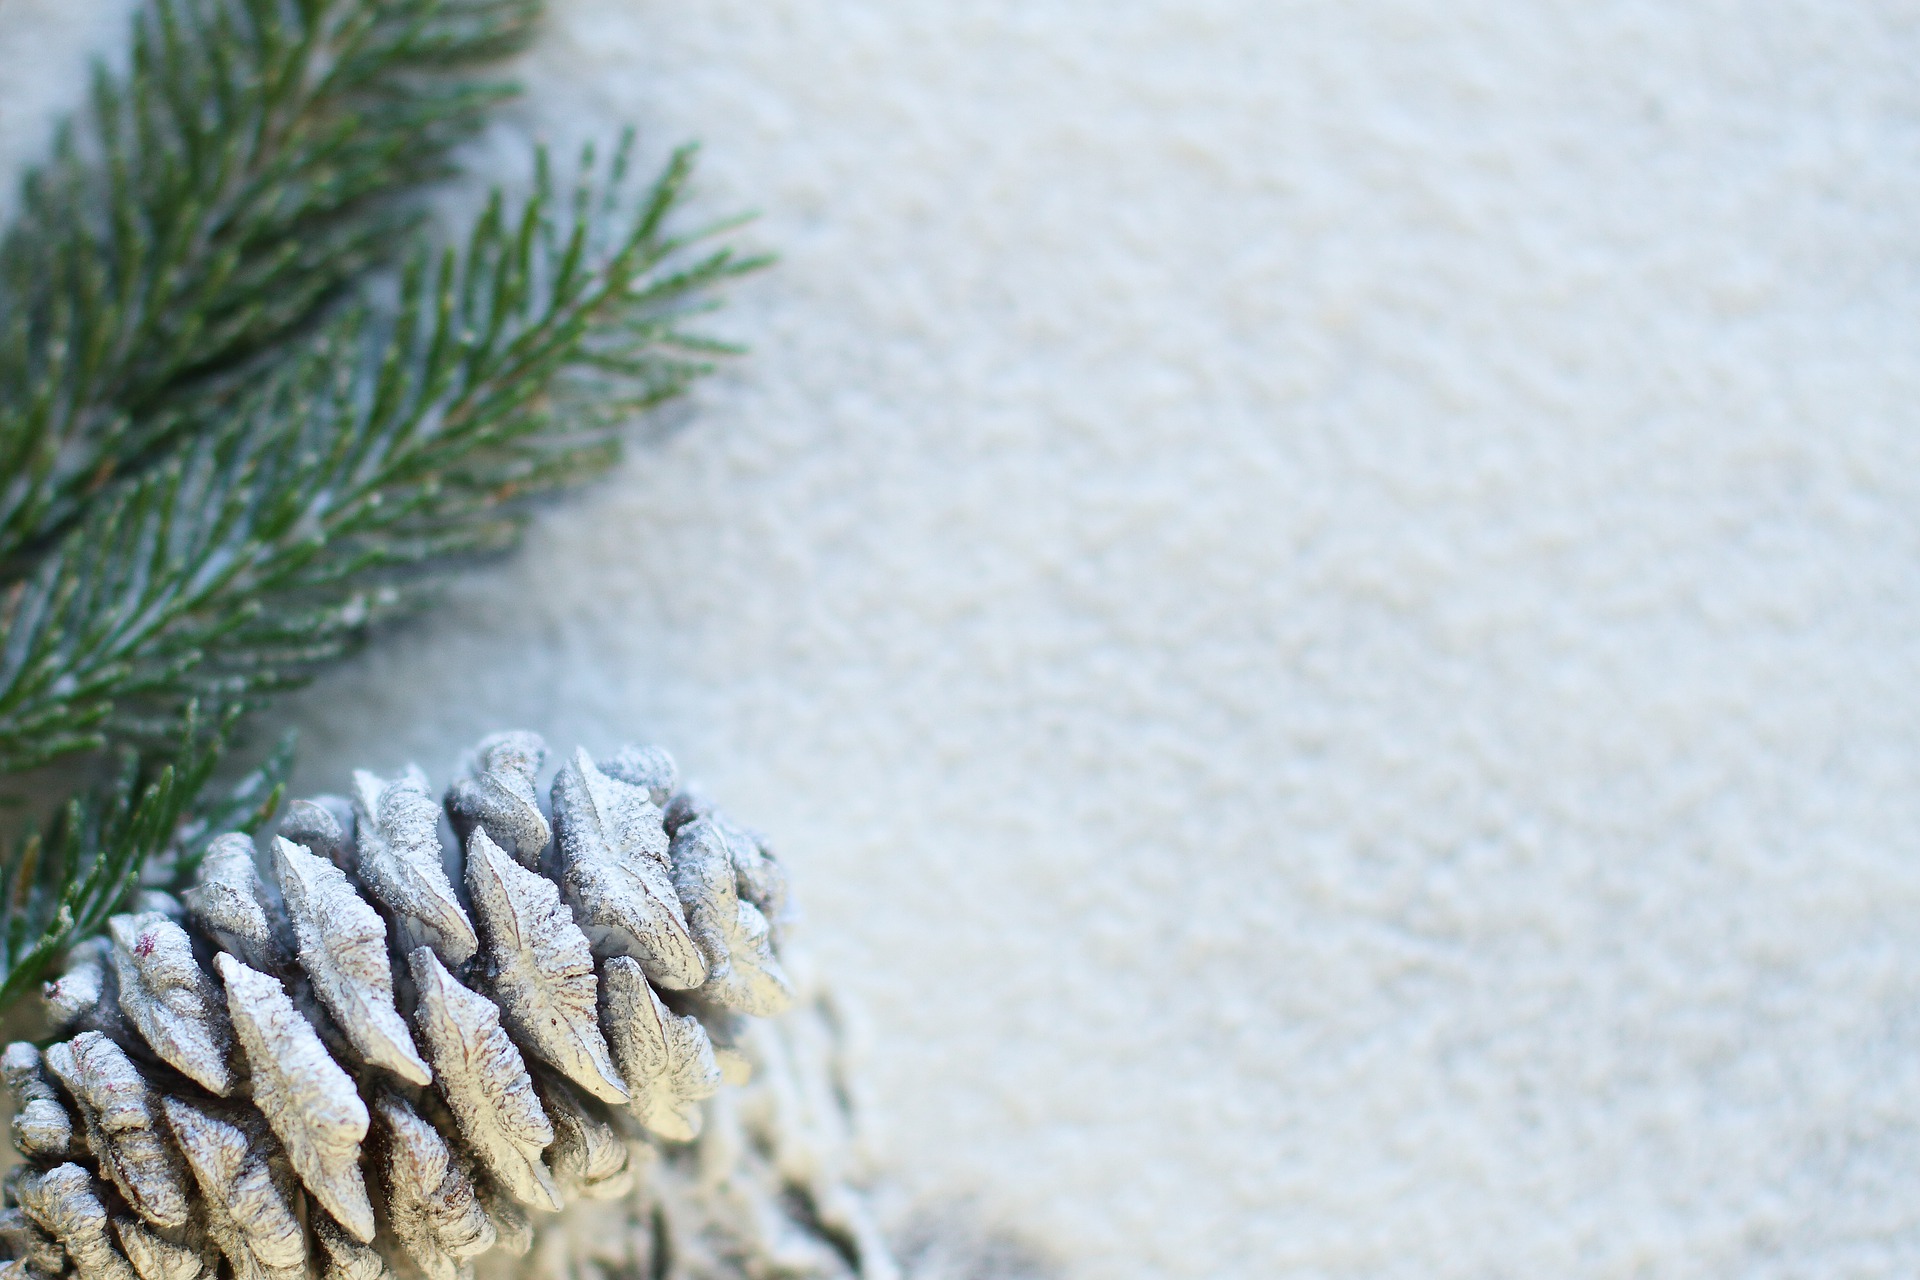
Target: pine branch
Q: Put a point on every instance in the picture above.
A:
(214, 198)
(61, 885)
(270, 543)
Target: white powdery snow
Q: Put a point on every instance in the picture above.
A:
(1325, 598)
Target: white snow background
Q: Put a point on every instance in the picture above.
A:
(1324, 599)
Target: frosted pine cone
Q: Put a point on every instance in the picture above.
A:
(396, 1054)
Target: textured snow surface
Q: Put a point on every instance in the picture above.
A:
(1324, 596)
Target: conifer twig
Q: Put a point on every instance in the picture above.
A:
(270, 544)
(60, 885)
(208, 204)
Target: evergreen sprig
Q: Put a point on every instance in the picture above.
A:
(62, 885)
(209, 203)
(225, 456)
(285, 528)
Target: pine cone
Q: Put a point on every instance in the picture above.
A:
(393, 1055)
